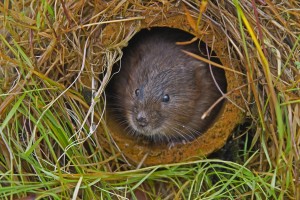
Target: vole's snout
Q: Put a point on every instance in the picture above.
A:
(141, 119)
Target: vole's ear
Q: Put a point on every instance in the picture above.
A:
(200, 73)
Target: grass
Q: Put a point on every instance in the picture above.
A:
(49, 147)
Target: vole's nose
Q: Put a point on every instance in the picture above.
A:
(142, 119)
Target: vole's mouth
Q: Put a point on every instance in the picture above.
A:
(143, 128)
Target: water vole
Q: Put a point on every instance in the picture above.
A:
(160, 92)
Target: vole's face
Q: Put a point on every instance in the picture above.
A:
(149, 112)
(162, 104)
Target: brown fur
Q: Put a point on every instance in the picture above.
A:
(155, 65)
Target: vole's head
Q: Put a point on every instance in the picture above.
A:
(161, 103)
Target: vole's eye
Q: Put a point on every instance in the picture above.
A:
(137, 92)
(166, 98)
